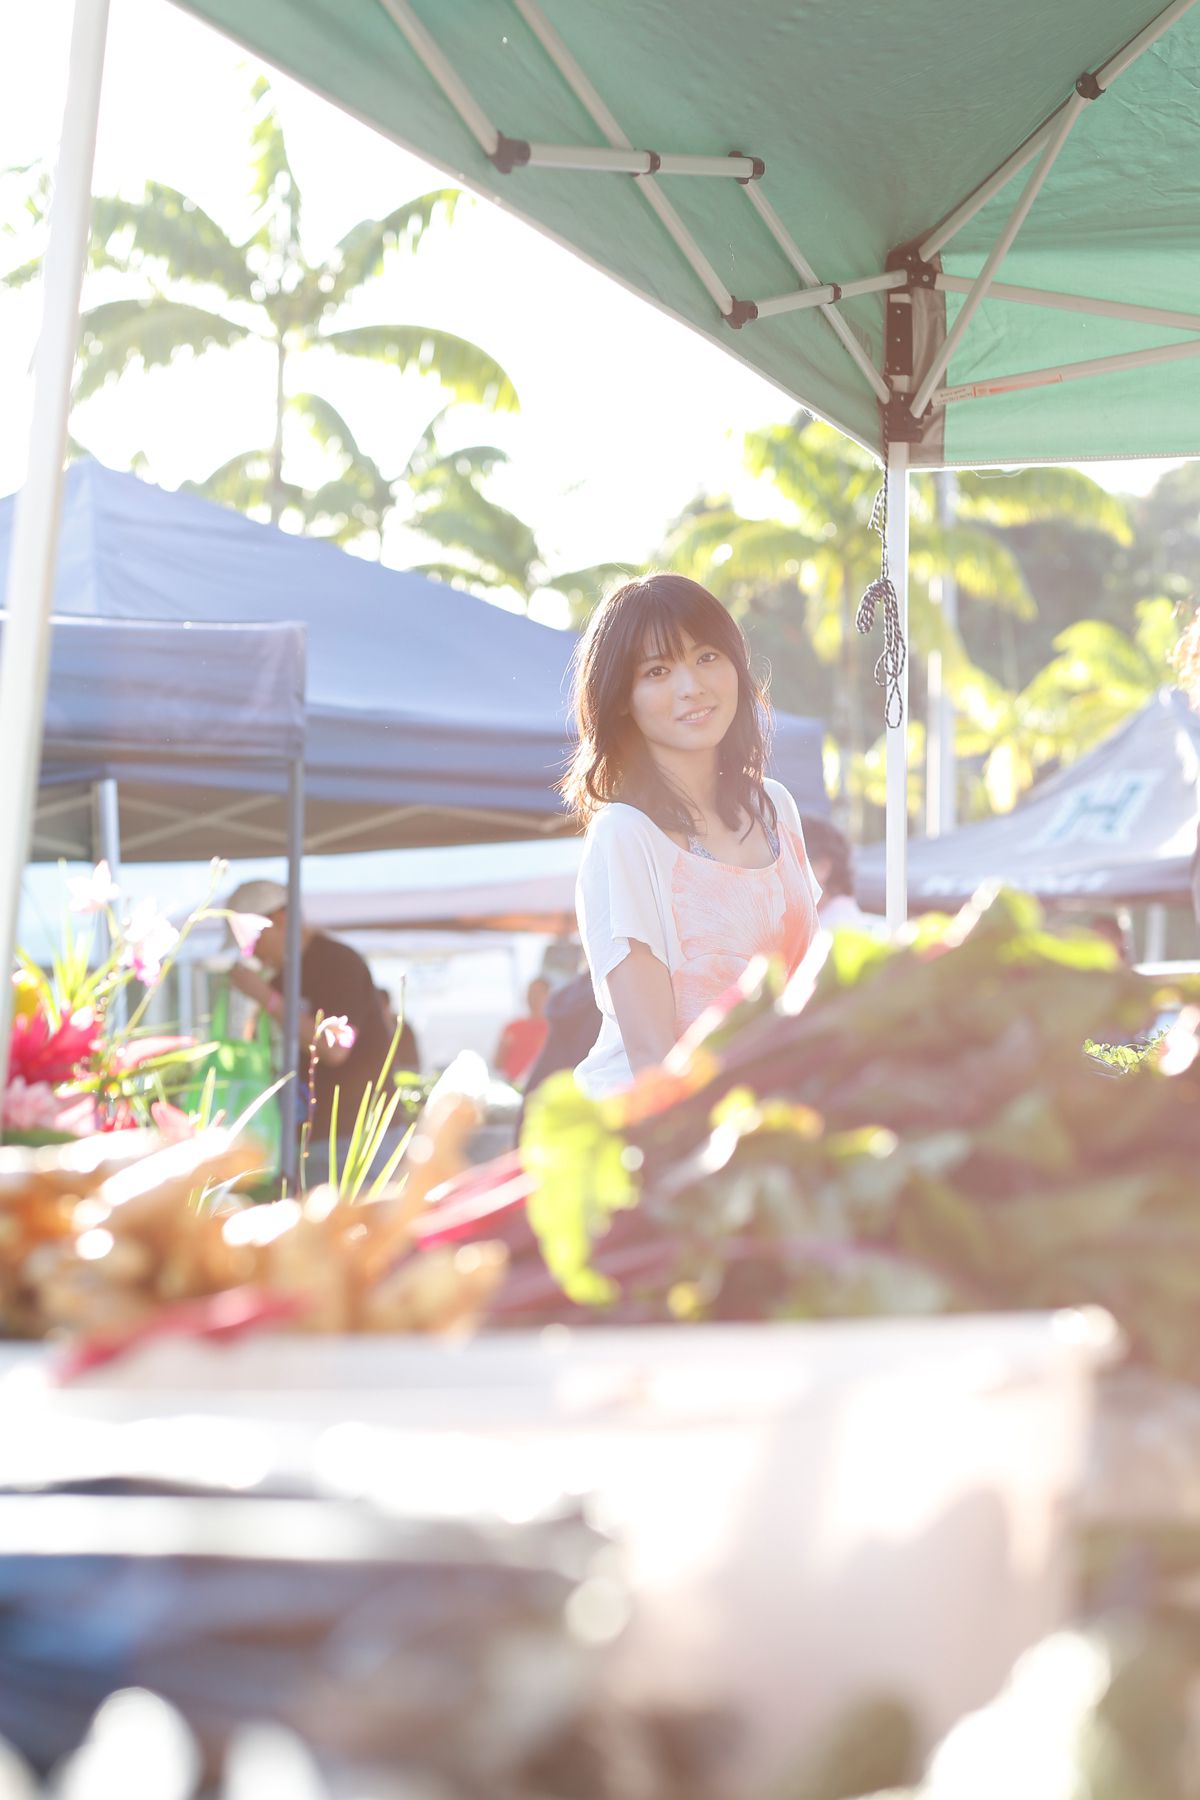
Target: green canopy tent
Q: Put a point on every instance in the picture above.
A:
(830, 189)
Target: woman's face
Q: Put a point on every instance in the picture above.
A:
(687, 703)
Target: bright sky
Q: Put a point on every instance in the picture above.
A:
(625, 414)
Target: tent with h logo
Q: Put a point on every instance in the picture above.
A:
(1118, 825)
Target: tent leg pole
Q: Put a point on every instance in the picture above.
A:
(289, 1095)
(26, 659)
(106, 847)
(1156, 933)
(896, 475)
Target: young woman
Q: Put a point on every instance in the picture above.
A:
(693, 862)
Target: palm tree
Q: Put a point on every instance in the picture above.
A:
(816, 543)
(207, 292)
(1099, 676)
(815, 547)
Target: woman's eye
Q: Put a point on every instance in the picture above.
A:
(657, 670)
(709, 655)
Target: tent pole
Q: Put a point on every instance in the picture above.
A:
(25, 664)
(998, 252)
(1078, 371)
(289, 1094)
(941, 774)
(1105, 76)
(896, 476)
(1075, 303)
(106, 846)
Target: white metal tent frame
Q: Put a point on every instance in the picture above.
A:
(910, 399)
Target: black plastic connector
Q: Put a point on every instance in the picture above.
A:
(1087, 87)
(900, 427)
(921, 274)
(510, 154)
(758, 169)
(655, 165)
(742, 312)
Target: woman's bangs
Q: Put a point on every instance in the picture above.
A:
(672, 614)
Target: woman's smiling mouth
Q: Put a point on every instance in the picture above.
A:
(697, 716)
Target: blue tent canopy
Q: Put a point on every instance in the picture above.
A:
(1117, 825)
(432, 716)
(188, 719)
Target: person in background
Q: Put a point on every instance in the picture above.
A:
(407, 1055)
(521, 1039)
(334, 982)
(573, 1025)
(832, 859)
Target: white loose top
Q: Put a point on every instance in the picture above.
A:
(703, 919)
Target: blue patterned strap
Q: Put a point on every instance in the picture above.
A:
(769, 832)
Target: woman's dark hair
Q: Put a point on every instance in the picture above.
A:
(649, 617)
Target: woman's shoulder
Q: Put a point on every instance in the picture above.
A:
(618, 823)
(785, 807)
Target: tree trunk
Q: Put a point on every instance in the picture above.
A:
(277, 446)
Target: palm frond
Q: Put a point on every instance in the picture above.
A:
(148, 332)
(979, 562)
(166, 230)
(361, 254)
(473, 463)
(23, 274)
(273, 182)
(494, 537)
(326, 424)
(468, 372)
(244, 482)
(1020, 496)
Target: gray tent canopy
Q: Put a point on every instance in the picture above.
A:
(1117, 825)
(185, 718)
(433, 717)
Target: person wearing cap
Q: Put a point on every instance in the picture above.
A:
(334, 982)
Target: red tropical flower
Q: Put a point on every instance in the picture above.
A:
(35, 1053)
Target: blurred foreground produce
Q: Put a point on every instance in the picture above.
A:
(917, 1129)
(399, 1658)
(112, 1235)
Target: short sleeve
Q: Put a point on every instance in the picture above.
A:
(789, 817)
(618, 892)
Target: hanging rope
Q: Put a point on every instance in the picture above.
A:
(881, 592)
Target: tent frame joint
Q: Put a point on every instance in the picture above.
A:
(922, 273)
(1088, 86)
(900, 425)
(757, 171)
(741, 312)
(510, 153)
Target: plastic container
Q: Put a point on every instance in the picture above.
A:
(808, 1514)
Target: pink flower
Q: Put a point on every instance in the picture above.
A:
(30, 1106)
(93, 893)
(148, 939)
(338, 1032)
(173, 1124)
(37, 1054)
(247, 928)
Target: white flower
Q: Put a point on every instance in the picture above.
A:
(337, 1032)
(95, 892)
(247, 928)
(148, 939)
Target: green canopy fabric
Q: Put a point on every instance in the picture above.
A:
(875, 120)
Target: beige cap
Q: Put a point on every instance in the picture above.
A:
(263, 897)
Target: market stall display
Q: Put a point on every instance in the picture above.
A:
(907, 1129)
(115, 1246)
